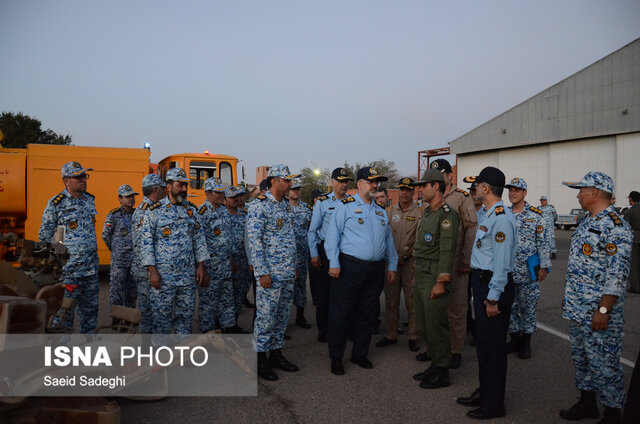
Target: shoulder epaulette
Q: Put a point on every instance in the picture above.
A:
(261, 197)
(144, 206)
(202, 210)
(323, 197)
(188, 203)
(89, 194)
(499, 210)
(58, 198)
(615, 218)
(309, 206)
(155, 206)
(536, 210)
(459, 190)
(114, 210)
(349, 200)
(446, 208)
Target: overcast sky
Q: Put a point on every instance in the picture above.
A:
(299, 82)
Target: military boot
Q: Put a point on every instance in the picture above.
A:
(611, 416)
(514, 343)
(586, 407)
(277, 360)
(300, 319)
(438, 378)
(264, 369)
(525, 347)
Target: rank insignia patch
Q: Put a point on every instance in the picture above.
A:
(611, 248)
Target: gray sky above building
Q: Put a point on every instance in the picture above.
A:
(303, 83)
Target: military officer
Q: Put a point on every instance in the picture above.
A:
(314, 273)
(594, 298)
(550, 215)
(174, 249)
(301, 218)
(434, 249)
(242, 277)
(116, 234)
(153, 190)
(493, 292)
(462, 203)
(323, 212)
(404, 218)
(272, 243)
(359, 247)
(533, 246)
(632, 216)
(74, 209)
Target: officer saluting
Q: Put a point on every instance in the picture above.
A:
(358, 244)
(75, 210)
(493, 293)
(172, 244)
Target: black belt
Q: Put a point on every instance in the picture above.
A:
(484, 275)
(360, 261)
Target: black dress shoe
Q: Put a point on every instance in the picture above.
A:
(436, 379)
(362, 363)
(277, 360)
(413, 346)
(322, 338)
(456, 360)
(424, 374)
(302, 322)
(336, 367)
(384, 342)
(248, 304)
(423, 357)
(485, 414)
(474, 400)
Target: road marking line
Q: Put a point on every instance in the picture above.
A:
(567, 338)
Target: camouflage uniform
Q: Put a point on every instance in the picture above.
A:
(173, 241)
(549, 214)
(216, 301)
(242, 277)
(273, 252)
(598, 265)
(300, 219)
(80, 274)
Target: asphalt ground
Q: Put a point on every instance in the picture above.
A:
(537, 388)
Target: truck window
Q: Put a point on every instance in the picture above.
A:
(199, 172)
(226, 173)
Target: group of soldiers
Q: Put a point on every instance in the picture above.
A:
(442, 251)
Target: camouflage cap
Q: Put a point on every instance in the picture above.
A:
(543, 198)
(152, 180)
(73, 169)
(177, 174)
(282, 171)
(594, 179)
(517, 182)
(297, 183)
(430, 176)
(233, 191)
(214, 184)
(126, 190)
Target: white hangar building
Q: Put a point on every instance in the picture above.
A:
(590, 121)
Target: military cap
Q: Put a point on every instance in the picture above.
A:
(489, 175)
(177, 174)
(517, 182)
(316, 193)
(297, 183)
(543, 198)
(473, 186)
(406, 182)
(370, 174)
(126, 190)
(233, 191)
(441, 165)
(340, 174)
(635, 196)
(73, 169)
(152, 180)
(430, 176)
(594, 179)
(214, 184)
(281, 171)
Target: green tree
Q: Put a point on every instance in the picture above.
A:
(312, 181)
(20, 130)
(382, 166)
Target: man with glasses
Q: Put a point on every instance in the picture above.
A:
(74, 211)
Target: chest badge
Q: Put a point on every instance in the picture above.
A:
(428, 237)
(478, 244)
(500, 237)
(360, 221)
(446, 224)
(217, 231)
(73, 225)
(279, 223)
(190, 213)
(587, 249)
(395, 218)
(611, 248)
(166, 232)
(539, 229)
(124, 232)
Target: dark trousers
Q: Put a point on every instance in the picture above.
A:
(632, 405)
(323, 292)
(491, 340)
(354, 296)
(314, 277)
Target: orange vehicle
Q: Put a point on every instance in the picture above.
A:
(30, 177)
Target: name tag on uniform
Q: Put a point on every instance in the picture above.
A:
(332, 208)
(357, 211)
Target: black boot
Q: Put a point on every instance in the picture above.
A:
(264, 370)
(514, 343)
(247, 303)
(525, 346)
(300, 320)
(438, 378)
(611, 416)
(277, 360)
(586, 407)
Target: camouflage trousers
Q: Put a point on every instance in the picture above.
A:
(140, 275)
(172, 306)
(552, 237)
(596, 356)
(241, 285)
(216, 302)
(300, 285)
(122, 286)
(85, 292)
(273, 306)
(523, 311)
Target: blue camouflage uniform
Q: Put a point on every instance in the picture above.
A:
(172, 240)
(116, 234)
(216, 301)
(599, 263)
(273, 252)
(80, 274)
(532, 240)
(300, 219)
(549, 214)
(242, 277)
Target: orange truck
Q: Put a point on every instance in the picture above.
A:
(30, 177)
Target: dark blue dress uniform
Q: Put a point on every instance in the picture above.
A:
(359, 242)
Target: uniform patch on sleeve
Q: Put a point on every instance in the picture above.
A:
(499, 210)
(587, 249)
(539, 229)
(611, 248)
(500, 237)
(459, 190)
(445, 224)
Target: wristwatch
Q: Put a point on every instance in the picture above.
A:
(492, 302)
(603, 310)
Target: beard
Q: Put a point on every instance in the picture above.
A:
(180, 196)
